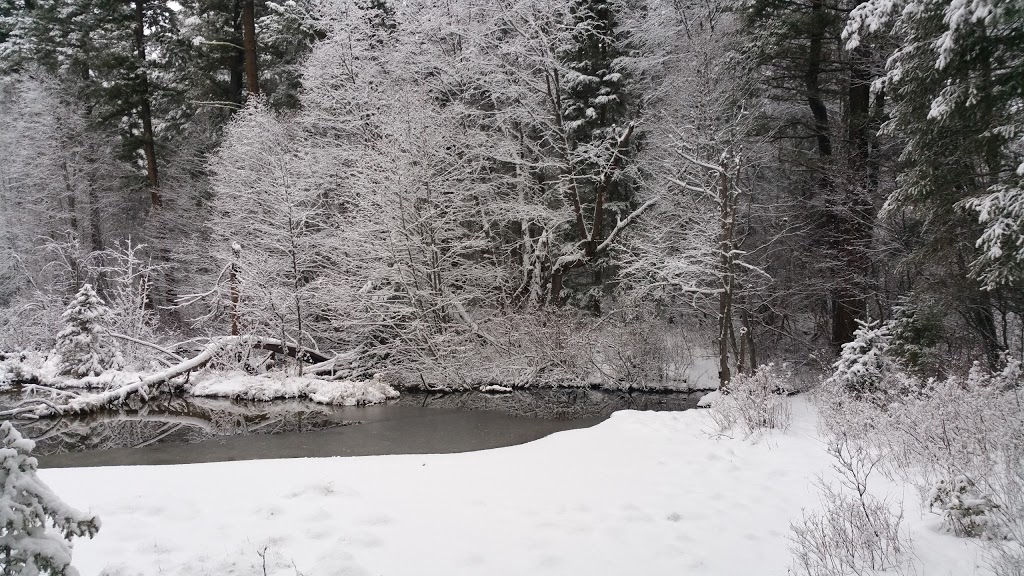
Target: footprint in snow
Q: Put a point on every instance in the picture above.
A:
(377, 520)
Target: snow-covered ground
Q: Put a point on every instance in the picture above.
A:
(642, 493)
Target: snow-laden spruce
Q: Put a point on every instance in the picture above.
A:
(83, 345)
(27, 505)
(863, 364)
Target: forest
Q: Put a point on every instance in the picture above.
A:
(464, 193)
(343, 199)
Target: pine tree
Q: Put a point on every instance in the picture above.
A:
(863, 365)
(27, 505)
(595, 109)
(955, 88)
(595, 89)
(917, 331)
(84, 348)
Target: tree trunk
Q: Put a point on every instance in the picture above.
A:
(724, 321)
(852, 226)
(148, 141)
(252, 79)
(812, 80)
(726, 201)
(236, 58)
(95, 232)
(746, 340)
(979, 307)
(233, 284)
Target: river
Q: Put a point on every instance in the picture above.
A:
(184, 430)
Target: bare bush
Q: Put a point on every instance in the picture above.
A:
(850, 535)
(128, 271)
(960, 441)
(855, 533)
(755, 401)
(1007, 559)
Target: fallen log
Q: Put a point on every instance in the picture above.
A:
(90, 402)
(84, 403)
(277, 347)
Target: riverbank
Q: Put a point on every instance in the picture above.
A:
(641, 493)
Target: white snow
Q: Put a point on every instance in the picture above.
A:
(240, 385)
(708, 399)
(647, 493)
(45, 369)
(496, 389)
(29, 365)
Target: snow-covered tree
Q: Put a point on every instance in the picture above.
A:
(83, 344)
(58, 167)
(27, 506)
(916, 330)
(954, 80)
(863, 365)
(269, 232)
(690, 248)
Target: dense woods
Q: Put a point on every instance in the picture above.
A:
(468, 192)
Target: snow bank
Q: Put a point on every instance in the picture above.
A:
(708, 399)
(239, 385)
(650, 493)
(44, 369)
(28, 366)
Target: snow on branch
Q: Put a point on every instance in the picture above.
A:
(622, 224)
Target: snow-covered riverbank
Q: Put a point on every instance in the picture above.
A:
(642, 493)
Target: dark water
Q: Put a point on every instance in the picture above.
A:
(189, 430)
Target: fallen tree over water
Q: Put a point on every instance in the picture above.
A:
(61, 401)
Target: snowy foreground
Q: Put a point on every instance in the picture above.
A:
(642, 493)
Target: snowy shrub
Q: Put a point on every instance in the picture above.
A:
(961, 442)
(264, 388)
(27, 322)
(28, 367)
(850, 535)
(863, 366)
(855, 533)
(27, 505)
(639, 352)
(966, 510)
(755, 401)
(129, 274)
(83, 345)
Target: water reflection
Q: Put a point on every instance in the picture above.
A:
(557, 403)
(178, 420)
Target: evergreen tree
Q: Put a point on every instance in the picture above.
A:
(955, 84)
(864, 365)
(27, 505)
(84, 348)
(595, 101)
(595, 108)
(917, 331)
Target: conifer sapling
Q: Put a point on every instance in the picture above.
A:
(84, 348)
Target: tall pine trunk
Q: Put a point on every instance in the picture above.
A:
(148, 141)
(252, 79)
